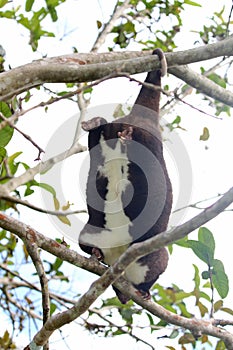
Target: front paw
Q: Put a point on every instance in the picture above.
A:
(97, 254)
(145, 295)
(125, 135)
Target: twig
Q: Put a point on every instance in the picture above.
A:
(82, 104)
(19, 306)
(170, 104)
(229, 20)
(29, 174)
(32, 250)
(212, 292)
(195, 205)
(7, 120)
(193, 107)
(117, 13)
(41, 210)
(122, 328)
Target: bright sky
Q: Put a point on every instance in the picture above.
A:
(212, 171)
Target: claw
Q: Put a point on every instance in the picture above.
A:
(97, 254)
(126, 134)
(144, 295)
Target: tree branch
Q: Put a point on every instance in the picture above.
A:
(40, 210)
(203, 84)
(32, 250)
(117, 13)
(7, 121)
(41, 167)
(87, 67)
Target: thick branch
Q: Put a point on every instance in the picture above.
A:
(203, 84)
(87, 67)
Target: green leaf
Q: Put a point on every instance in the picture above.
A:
(7, 14)
(196, 277)
(217, 305)
(217, 79)
(48, 188)
(29, 4)
(177, 120)
(127, 314)
(7, 132)
(13, 166)
(220, 278)
(3, 2)
(151, 320)
(220, 345)
(99, 24)
(2, 155)
(53, 13)
(203, 309)
(205, 134)
(174, 334)
(204, 252)
(184, 311)
(183, 242)
(56, 203)
(205, 296)
(113, 302)
(228, 310)
(64, 219)
(206, 237)
(187, 338)
(192, 3)
(58, 262)
(53, 308)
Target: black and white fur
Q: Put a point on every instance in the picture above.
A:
(129, 194)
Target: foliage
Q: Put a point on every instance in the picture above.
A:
(32, 20)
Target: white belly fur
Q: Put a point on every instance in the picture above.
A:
(136, 273)
(113, 240)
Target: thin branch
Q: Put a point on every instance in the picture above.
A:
(27, 137)
(41, 210)
(195, 205)
(193, 107)
(229, 20)
(117, 13)
(122, 328)
(12, 301)
(30, 173)
(25, 283)
(33, 251)
(170, 104)
(82, 104)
